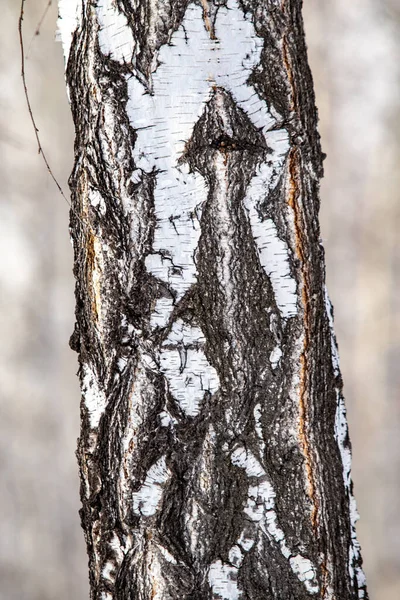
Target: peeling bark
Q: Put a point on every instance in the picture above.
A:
(214, 452)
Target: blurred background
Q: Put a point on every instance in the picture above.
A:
(354, 50)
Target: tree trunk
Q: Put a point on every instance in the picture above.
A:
(214, 450)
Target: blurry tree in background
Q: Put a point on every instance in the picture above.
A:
(354, 51)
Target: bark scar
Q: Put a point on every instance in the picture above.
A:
(299, 228)
(287, 62)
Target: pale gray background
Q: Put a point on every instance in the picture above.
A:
(355, 55)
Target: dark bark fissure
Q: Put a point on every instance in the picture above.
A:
(213, 449)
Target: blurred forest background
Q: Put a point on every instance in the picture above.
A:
(354, 50)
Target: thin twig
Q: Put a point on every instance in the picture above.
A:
(38, 27)
(40, 148)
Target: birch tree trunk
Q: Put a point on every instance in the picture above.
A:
(214, 450)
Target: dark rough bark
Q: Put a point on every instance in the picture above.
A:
(214, 452)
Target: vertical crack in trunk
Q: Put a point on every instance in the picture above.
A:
(304, 424)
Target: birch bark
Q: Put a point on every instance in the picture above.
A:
(214, 450)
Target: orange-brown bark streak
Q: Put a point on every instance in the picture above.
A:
(299, 232)
(293, 201)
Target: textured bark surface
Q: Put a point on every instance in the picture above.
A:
(214, 450)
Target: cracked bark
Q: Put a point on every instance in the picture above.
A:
(214, 453)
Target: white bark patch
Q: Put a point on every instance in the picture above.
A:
(258, 427)
(183, 333)
(149, 362)
(304, 571)
(115, 36)
(189, 376)
(186, 368)
(189, 67)
(247, 461)
(94, 398)
(222, 579)
(275, 357)
(334, 349)
(167, 419)
(108, 572)
(69, 20)
(260, 509)
(147, 499)
(235, 556)
(341, 436)
(177, 210)
(161, 313)
(97, 201)
(273, 255)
